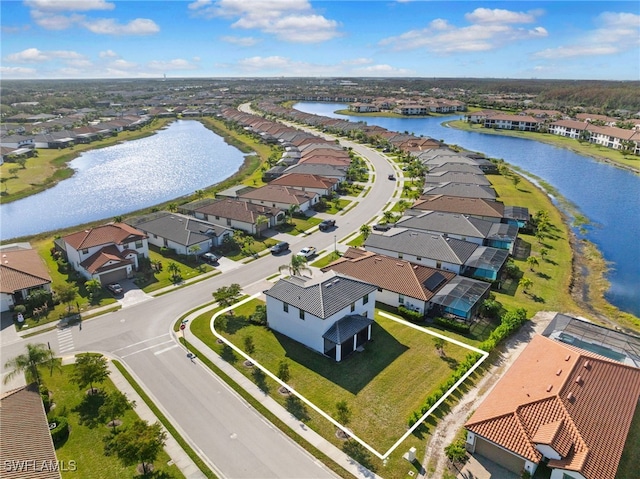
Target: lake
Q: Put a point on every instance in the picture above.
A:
(178, 160)
(606, 195)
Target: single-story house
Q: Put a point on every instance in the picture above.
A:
(307, 182)
(399, 282)
(440, 177)
(558, 405)
(236, 213)
(282, 197)
(22, 270)
(184, 234)
(25, 437)
(485, 209)
(466, 190)
(331, 314)
(107, 253)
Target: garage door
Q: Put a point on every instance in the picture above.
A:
(499, 456)
(113, 276)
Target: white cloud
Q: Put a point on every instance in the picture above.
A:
(287, 20)
(122, 64)
(172, 65)
(14, 72)
(383, 70)
(108, 54)
(68, 5)
(485, 16)
(617, 32)
(491, 30)
(358, 61)
(240, 41)
(109, 26)
(33, 55)
(55, 22)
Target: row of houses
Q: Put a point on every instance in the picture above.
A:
(602, 132)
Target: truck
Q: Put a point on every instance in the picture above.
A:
(307, 252)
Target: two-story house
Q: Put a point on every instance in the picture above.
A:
(22, 270)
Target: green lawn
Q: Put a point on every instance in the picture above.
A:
(189, 268)
(335, 207)
(299, 226)
(322, 262)
(85, 442)
(630, 460)
(368, 381)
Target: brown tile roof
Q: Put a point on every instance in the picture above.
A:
(458, 204)
(326, 160)
(115, 233)
(25, 436)
(22, 269)
(580, 404)
(279, 194)
(389, 273)
(238, 210)
(97, 262)
(306, 180)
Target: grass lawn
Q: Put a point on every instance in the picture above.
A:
(234, 253)
(335, 207)
(357, 241)
(299, 226)
(322, 262)
(368, 381)
(189, 268)
(85, 442)
(351, 189)
(630, 460)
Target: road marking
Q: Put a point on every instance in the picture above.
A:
(144, 349)
(65, 340)
(166, 349)
(140, 342)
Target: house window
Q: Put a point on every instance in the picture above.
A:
(401, 298)
(217, 217)
(418, 258)
(285, 307)
(138, 244)
(301, 314)
(400, 256)
(353, 307)
(365, 300)
(85, 251)
(228, 221)
(439, 264)
(380, 289)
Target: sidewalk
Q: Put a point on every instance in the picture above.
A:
(297, 426)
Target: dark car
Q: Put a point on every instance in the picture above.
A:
(382, 227)
(210, 258)
(326, 224)
(391, 177)
(280, 247)
(115, 288)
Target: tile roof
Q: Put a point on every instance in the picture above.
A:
(457, 177)
(466, 190)
(577, 402)
(280, 194)
(323, 296)
(22, 269)
(239, 210)
(391, 274)
(25, 436)
(346, 328)
(304, 180)
(115, 233)
(427, 245)
(97, 262)
(458, 204)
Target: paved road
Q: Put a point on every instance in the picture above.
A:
(236, 441)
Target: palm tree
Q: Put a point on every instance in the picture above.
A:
(532, 261)
(172, 207)
(261, 220)
(28, 363)
(525, 284)
(199, 194)
(292, 210)
(297, 265)
(365, 231)
(388, 216)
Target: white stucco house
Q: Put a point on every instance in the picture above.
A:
(331, 314)
(22, 271)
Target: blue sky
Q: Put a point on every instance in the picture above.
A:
(265, 38)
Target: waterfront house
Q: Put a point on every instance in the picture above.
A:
(22, 271)
(489, 210)
(282, 197)
(307, 182)
(466, 190)
(331, 313)
(107, 253)
(235, 213)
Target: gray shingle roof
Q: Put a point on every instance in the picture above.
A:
(346, 328)
(322, 296)
(450, 223)
(465, 190)
(181, 229)
(426, 245)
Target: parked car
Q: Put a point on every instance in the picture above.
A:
(210, 258)
(391, 177)
(326, 224)
(307, 252)
(382, 227)
(279, 248)
(115, 288)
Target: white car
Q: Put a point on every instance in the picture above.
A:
(307, 252)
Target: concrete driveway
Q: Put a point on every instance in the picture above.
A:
(132, 294)
(479, 467)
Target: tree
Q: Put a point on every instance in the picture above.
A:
(283, 371)
(516, 180)
(261, 220)
(544, 252)
(88, 369)
(174, 270)
(199, 194)
(66, 294)
(365, 231)
(172, 207)
(140, 442)
(22, 162)
(226, 296)
(343, 412)
(532, 261)
(293, 209)
(388, 216)
(114, 406)
(194, 250)
(94, 287)
(526, 284)
(249, 345)
(439, 344)
(28, 363)
(259, 315)
(456, 451)
(296, 266)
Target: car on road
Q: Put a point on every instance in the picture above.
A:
(307, 252)
(326, 224)
(210, 258)
(391, 177)
(280, 247)
(115, 289)
(382, 227)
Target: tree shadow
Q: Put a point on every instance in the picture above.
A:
(297, 409)
(87, 410)
(235, 323)
(537, 299)
(228, 354)
(260, 378)
(358, 453)
(421, 431)
(451, 362)
(542, 275)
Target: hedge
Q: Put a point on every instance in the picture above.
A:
(452, 325)
(61, 429)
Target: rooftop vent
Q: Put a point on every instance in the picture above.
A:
(549, 387)
(568, 357)
(587, 365)
(579, 380)
(558, 372)
(570, 396)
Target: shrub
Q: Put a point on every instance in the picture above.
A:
(59, 427)
(19, 309)
(46, 400)
(452, 325)
(410, 315)
(456, 451)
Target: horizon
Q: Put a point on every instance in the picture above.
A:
(289, 39)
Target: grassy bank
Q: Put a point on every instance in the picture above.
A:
(597, 152)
